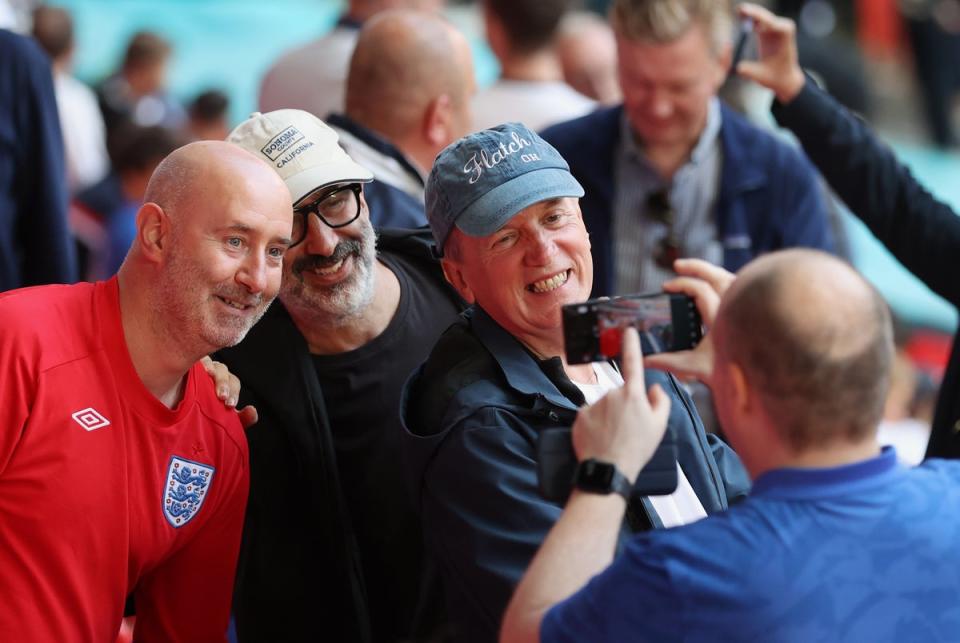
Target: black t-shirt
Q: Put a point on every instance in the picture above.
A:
(361, 391)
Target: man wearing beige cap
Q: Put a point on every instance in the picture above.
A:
(332, 548)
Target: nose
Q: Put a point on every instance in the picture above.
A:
(253, 273)
(321, 239)
(660, 105)
(541, 248)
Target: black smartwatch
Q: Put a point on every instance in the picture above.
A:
(594, 476)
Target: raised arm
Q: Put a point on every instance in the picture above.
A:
(922, 232)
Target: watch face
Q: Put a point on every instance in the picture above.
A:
(595, 476)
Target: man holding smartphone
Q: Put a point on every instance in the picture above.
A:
(503, 209)
(836, 541)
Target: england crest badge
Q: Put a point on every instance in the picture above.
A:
(187, 486)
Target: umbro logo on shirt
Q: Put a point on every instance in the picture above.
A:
(90, 419)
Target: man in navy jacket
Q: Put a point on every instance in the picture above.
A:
(673, 172)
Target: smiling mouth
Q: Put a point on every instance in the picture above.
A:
(237, 305)
(550, 283)
(329, 270)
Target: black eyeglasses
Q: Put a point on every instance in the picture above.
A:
(660, 210)
(337, 207)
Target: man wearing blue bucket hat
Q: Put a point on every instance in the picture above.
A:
(503, 209)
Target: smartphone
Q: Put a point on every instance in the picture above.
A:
(593, 330)
(744, 30)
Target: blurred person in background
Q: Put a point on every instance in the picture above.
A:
(920, 231)
(35, 243)
(103, 215)
(208, 116)
(137, 92)
(81, 123)
(408, 96)
(313, 77)
(531, 89)
(933, 27)
(588, 56)
(675, 173)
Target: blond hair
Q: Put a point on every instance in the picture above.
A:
(663, 21)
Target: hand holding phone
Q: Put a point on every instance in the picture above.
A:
(705, 284)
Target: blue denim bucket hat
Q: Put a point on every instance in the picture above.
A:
(482, 180)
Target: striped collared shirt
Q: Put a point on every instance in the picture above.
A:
(693, 195)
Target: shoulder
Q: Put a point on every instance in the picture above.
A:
(224, 421)
(411, 250)
(56, 321)
(936, 472)
(600, 125)
(15, 47)
(458, 363)
(745, 142)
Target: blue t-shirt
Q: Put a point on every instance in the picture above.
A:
(864, 552)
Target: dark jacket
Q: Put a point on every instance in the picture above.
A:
(768, 191)
(35, 243)
(920, 231)
(473, 413)
(299, 576)
(390, 207)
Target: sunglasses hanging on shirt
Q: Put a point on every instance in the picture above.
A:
(660, 210)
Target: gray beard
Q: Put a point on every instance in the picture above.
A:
(340, 303)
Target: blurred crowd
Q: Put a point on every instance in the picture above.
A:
(415, 355)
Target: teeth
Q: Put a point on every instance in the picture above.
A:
(552, 283)
(233, 304)
(329, 269)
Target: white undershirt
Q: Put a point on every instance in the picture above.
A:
(681, 507)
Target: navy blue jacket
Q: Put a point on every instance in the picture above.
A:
(390, 207)
(35, 243)
(768, 190)
(920, 231)
(472, 414)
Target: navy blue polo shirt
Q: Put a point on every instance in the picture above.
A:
(863, 552)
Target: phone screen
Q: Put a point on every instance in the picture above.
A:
(593, 330)
(651, 316)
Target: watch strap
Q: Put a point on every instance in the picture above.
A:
(596, 476)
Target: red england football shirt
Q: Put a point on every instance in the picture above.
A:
(104, 491)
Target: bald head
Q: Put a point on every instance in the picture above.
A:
(403, 62)
(364, 9)
(815, 343)
(206, 171)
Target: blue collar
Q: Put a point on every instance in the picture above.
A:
(375, 142)
(519, 367)
(807, 484)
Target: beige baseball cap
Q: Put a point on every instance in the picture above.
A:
(301, 148)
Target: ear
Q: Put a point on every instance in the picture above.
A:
(453, 271)
(436, 124)
(153, 231)
(743, 401)
(722, 65)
